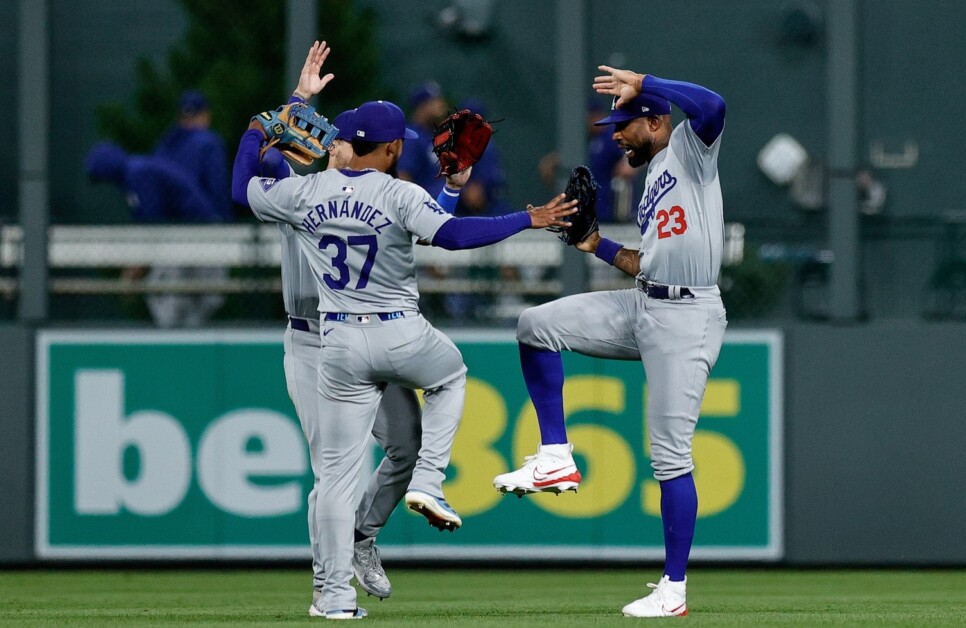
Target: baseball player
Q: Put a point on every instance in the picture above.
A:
(673, 321)
(357, 227)
(399, 437)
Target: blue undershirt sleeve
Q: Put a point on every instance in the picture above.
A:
(246, 166)
(475, 231)
(704, 108)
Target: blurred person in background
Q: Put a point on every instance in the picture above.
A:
(159, 191)
(485, 192)
(418, 164)
(193, 146)
(483, 195)
(610, 169)
(427, 108)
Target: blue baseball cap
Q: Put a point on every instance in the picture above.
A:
(380, 121)
(106, 161)
(191, 102)
(473, 104)
(343, 122)
(642, 106)
(424, 92)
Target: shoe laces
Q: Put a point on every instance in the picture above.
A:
(533, 460)
(662, 588)
(369, 558)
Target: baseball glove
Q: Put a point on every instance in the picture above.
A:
(459, 141)
(582, 187)
(298, 131)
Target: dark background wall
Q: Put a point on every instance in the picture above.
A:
(16, 444)
(908, 54)
(773, 83)
(875, 429)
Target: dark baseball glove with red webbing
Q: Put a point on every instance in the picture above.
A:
(459, 141)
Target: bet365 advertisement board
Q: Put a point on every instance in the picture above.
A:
(175, 445)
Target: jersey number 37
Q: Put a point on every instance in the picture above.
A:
(339, 278)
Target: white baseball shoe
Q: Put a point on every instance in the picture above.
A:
(367, 567)
(551, 469)
(351, 613)
(668, 599)
(439, 513)
(316, 609)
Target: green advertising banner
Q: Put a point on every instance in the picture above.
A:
(185, 444)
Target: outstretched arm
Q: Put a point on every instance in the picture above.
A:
(475, 231)
(704, 108)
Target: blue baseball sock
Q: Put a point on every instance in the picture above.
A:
(544, 375)
(679, 511)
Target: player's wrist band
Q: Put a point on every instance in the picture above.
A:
(448, 191)
(607, 250)
(299, 96)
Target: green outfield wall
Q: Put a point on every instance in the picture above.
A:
(174, 445)
(872, 420)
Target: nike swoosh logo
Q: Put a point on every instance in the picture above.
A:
(326, 332)
(674, 610)
(537, 475)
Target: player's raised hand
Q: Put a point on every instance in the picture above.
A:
(624, 84)
(311, 81)
(551, 213)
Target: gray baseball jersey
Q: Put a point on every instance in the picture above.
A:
(356, 230)
(680, 214)
(300, 292)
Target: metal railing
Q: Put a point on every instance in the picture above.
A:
(536, 254)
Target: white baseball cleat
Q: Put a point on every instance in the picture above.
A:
(367, 567)
(439, 513)
(668, 599)
(351, 613)
(316, 609)
(551, 469)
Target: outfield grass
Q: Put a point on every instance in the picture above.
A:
(483, 598)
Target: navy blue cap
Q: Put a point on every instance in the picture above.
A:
(106, 162)
(473, 104)
(192, 101)
(380, 121)
(642, 106)
(343, 122)
(424, 92)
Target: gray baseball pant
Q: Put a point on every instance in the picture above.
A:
(359, 357)
(397, 429)
(677, 340)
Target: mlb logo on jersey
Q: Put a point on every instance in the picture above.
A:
(348, 189)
